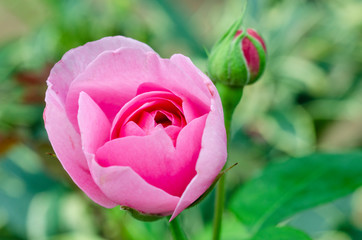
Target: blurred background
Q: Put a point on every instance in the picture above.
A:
(309, 99)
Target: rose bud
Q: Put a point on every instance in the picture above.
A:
(134, 129)
(238, 58)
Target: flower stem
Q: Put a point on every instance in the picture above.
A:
(176, 230)
(230, 98)
(219, 207)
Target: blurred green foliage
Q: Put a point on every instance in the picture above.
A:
(310, 98)
(281, 233)
(293, 185)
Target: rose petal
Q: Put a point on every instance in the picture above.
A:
(172, 132)
(132, 129)
(211, 159)
(127, 188)
(198, 78)
(188, 143)
(93, 124)
(150, 87)
(162, 165)
(76, 60)
(66, 143)
(111, 80)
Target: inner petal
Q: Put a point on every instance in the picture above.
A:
(132, 129)
(146, 122)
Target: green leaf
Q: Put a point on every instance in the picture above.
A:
(288, 187)
(282, 233)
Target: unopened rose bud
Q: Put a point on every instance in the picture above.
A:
(238, 58)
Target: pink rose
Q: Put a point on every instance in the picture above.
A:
(134, 129)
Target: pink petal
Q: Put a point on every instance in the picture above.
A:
(172, 132)
(188, 144)
(150, 87)
(127, 188)
(146, 123)
(196, 77)
(66, 143)
(93, 124)
(132, 129)
(76, 60)
(111, 80)
(251, 56)
(211, 159)
(154, 157)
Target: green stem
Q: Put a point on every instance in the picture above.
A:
(230, 98)
(176, 230)
(219, 207)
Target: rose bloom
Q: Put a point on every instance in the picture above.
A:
(134, 129)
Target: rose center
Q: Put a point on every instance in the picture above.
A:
(161, 118)
(149, 112)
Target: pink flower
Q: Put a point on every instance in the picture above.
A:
(134, 129)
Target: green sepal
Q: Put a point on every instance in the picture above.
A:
(142, 216)
(217, 64)
(226, 62)
(238, 74)
(230, 33)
